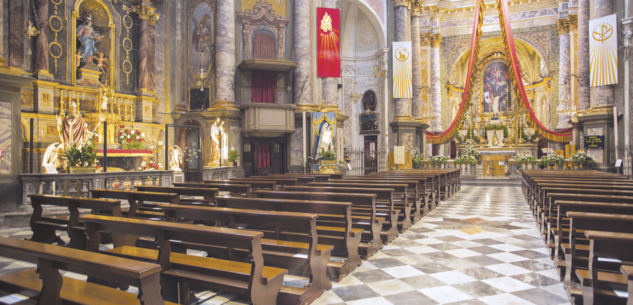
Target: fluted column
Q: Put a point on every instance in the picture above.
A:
(583, 56)
(41, 43)
(225, 54)
(564, 66)
(329, 85)
(302, 51)
(147, 48)
(436, 86)
(403, 105)
(602, 95)
(416, 102)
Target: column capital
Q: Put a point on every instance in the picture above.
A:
(145, 12)
(416, 8)
(563, 26)
(573, 22)
(406, 3)
(627, 30)
(436, 40)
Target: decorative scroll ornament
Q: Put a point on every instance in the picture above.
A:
(56, 24)
(127, 43)
(146, 12)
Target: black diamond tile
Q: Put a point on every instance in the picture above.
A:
(386, 262)
(372, 276)
(356, 292)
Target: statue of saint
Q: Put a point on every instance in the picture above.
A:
(325, 139)
(216, 131)
(88, 38)
(175, 158)
(71, 128)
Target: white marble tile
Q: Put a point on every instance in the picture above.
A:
(507, 269)
(551, 273)
(328, 297)
(504, 299)
(446, 294)
(422, 249)
(347, 281)
(453, 277)
(372, 301)
(508, 284)
(461, 253)
(390, 287)
(403, 271)
(507, 247)
(466, 244)
(508, 257)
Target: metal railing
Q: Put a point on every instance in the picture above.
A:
(363, 161)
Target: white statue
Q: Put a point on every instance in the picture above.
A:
(175, 158)
(326, 138)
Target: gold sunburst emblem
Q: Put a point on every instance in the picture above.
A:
(326, 23)
(402, 54)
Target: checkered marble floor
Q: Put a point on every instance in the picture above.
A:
(479, 247)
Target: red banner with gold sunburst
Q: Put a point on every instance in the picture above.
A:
(328, 42)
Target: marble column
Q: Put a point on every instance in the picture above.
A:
(41, 43)
(403, 105)
(564, 65)
(602, 95)
(147, 48)
(330, 84)
(436, 86)
(582, 60)
(16, 34)
(303, 54)
(225, 54)
(416, 102)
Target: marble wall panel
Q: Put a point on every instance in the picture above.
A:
(16, 34)
(5, 138)
(408, 142)
(4, 31)
(546, 12)
(160, 47)
(296, 147)
(236, 137)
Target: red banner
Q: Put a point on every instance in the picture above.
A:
(328, 42)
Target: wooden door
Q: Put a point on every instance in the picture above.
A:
(278, 158)
(494, 165)
(249, 160)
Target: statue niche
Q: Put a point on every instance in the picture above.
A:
(93, 43)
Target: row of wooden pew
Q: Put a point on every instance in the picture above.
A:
(254, 231)
(586, 221)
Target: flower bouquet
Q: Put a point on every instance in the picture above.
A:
(131, 139)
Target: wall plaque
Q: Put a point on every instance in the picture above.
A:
(594, 141)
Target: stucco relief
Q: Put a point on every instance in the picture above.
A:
(366, 35)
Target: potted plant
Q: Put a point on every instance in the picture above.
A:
(327, 156)
(417, 159)
(131, 139)
(82, 158)
(582, 160)
(438, 160)
(233, 155)
(558, 160)
(532, 160)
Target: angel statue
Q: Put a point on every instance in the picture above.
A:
(325, 138)
(201, 35)
(175, 158)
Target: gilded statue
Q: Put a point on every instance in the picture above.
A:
(216, 134)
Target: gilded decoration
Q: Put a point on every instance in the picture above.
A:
(279, 6)
(200, 43)
(95, 47)
(406, 3)
(146, 12)
(56, 24)
(263, 14)
(563, 26)
(127, 44)
(436, 40)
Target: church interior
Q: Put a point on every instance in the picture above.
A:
(316, 152)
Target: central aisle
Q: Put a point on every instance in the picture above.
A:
(479, 247)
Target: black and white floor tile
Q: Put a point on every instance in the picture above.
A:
(480, 247)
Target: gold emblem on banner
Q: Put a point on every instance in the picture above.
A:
(602, 32)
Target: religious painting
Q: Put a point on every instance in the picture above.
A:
(324, 132)
(93, 44)
(201, 38)
(369, 122)
(369, 101)
(199, 99)
(496, 87)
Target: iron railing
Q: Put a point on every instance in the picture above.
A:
(363, 162)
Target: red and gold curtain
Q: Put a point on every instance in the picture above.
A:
(515, 72)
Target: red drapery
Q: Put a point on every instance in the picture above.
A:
(263, 86)
(263, 46)
(263, 155)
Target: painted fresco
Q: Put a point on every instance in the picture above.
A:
(496, 88)
(5, 138)
(201, 40)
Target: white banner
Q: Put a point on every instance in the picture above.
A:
(603, 50)
(402, 69)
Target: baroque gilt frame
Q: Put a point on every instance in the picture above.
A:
(263, 14)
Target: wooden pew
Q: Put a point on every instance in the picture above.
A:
(317, 177)
(372, 239)
(209, 194)
(47, 286)
(279, 181)
(345, 239)
(448, 179)
(302, 259)
(44, 227)
(627, 271)
(386, 208)
(599, 287)
(255, 184)
(234, 189)
(259, 283)
(419, 207)
(426, 188)
(593, 186)
(432, 185)
(141, 203)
